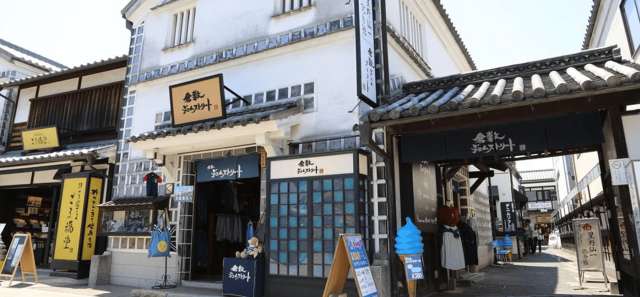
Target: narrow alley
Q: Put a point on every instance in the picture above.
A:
(553, 272)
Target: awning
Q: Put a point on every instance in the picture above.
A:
(580, 75)
(96, 151)
(136, 203)
(242, 126)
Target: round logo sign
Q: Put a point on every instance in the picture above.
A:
(162, 246)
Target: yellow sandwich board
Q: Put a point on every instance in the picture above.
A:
(20, 254)
(350, 255)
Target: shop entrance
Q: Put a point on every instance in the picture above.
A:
(223, 212)
(30, 210)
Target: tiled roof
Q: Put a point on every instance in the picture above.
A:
(454, 31)
(532, 176)
(17, 158)
(29, 57)
(586, 72)
(236, 117)
(135, 202)
(591, 24)
(20, 81)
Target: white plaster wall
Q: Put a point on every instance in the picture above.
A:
(220, 24)
(609, 29)
(22, 112)
(334, 80)
(617, 35)
(631, 124)
(58, 87)
(138, 270)
(103, 78)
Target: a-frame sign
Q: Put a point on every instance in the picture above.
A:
(350, 255)
(20, 253)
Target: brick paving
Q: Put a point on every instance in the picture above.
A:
(551, 273)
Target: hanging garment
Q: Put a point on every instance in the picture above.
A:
(452, 254)
(152, 181)
(469, 244)
(229, 228)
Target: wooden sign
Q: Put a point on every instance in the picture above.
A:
(39, 139)
(350, 255)
(78, 217)
(588, 240)
(20, 254)
(197, 100)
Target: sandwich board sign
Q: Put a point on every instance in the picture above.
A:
(589, 247)
(350, 255)
(20, 253)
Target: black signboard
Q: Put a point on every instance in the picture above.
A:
(512, 139)
(242, 277)
(14, 253)
(508, 216)
(230, 168)
(413, 267)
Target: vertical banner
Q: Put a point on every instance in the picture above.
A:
(508, 216)
(70, 219)
(91, 220)
(365, 52)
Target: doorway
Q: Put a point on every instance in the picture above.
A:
(30, 210)
(223, 211)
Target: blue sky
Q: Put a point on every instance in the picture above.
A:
(497, 32)
(503, 32)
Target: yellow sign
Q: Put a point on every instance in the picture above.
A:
(38, 139)
(197, 100)
(91, 221)
(70, 219)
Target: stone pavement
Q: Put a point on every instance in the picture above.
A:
(552, 273)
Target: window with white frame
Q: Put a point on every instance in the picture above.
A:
(305, 91)
(287, 6)
(163, 120)
(411, 28)
(182, 26)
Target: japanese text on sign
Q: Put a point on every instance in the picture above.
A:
(238, 272)
(197, 100)
(360, 263)
(492, 141)
(588, 244)
(308, 166)
(71, 211)
(365, 33)
(91, 222)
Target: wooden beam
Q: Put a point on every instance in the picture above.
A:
(481, 174)
(476, 184)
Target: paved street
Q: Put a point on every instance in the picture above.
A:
(552, 273)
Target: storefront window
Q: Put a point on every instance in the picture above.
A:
(130, 221)
(306, 217)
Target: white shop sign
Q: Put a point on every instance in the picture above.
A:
(312, 166)
(539, 205)
(618, 168)
(588, 240)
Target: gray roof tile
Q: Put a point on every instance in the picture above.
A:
(583, 72)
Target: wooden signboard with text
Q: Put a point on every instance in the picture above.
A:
(20, 254)
(197, 100)
(40, 139)
(77, 228)
(350, 255)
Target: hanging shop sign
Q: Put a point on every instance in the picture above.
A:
(197, 100)
(20, 253)
(350, 256)
(589, 247)
(513, 139)
(40, 139)
(541, 205)
(183, 194)
(77, 228)
(365, 52)
(311, 166)
(230, 168)
(508, 216)
(618, 169)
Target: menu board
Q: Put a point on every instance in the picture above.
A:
(14, 254)
(588, 244)
(350, 254)
(413, 267)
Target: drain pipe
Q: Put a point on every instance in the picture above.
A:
(366, 139)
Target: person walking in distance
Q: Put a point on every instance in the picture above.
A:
(534, 241)
(540, 240)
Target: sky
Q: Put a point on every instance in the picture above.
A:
(503, 32)
(71, 32)
(496, 32)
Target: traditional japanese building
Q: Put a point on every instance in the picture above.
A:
(63, 128)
